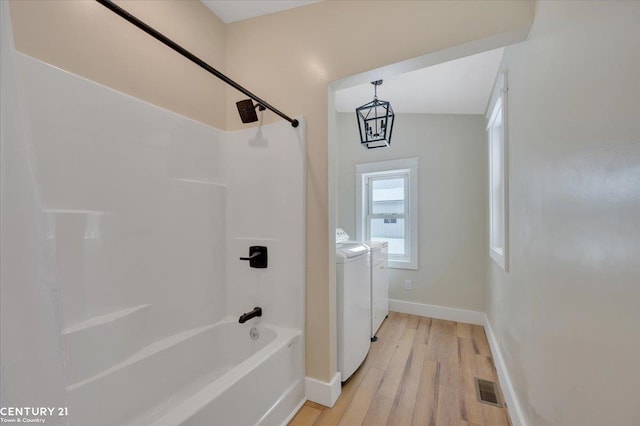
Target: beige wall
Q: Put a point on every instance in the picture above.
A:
(566, 314)
(290, 57)
(452, 205)
(286, 58)
(87, 39)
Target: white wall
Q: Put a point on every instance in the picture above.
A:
(452, 226)
(566, 315)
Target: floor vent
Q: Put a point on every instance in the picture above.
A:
(487, 392)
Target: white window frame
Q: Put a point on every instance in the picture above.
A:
(405, 166)
(394, 174)
(498, 169)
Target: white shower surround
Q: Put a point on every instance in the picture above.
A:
(146, 214)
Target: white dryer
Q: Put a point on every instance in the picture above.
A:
(379, 284)
(353, 285)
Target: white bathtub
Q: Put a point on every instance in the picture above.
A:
(214, 375)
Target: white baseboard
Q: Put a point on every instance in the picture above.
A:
(515, 410)
(322, 392)
(440, 312)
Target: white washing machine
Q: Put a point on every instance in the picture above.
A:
(353, 285)
(379, 284)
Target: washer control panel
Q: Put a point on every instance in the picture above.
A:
(341, 236)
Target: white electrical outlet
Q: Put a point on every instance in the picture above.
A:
(407, 284)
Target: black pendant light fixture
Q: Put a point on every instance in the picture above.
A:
(375, 121)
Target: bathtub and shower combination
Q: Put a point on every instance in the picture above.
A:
(223, 374)
(137, 321)
(260, 382)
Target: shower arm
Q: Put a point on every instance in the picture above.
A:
(193, 58)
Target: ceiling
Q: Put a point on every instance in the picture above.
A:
(462, 86)
(237, 10)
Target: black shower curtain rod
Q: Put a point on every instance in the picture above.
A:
(193, 58)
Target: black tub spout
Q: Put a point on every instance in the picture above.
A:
(257, 312)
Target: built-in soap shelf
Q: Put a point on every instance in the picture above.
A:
(75, 211)
(200, 182)
(98, 343)
(91, 221)
(102, 319)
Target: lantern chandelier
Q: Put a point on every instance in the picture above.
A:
(375, 121)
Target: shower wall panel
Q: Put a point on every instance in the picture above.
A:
(135, 201)
(265, 206)
(31, 361)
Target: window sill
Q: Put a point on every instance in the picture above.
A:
(399, 264)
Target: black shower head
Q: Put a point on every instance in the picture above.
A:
(247, 110)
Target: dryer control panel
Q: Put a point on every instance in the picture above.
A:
(341, 235)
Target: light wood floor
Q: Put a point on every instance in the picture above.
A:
(419, 372)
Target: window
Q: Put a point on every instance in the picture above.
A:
(387, 208)
(496, 135)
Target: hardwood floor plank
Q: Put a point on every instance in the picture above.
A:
(448, 411)
(466, 355)
(387, 324)
(379, 411)
(450, 372)
(386, 352)
(315, 405)
(463, 330)
(395, 369)
(357, 409)
(424, 412)
(442, 343)
(306, 416)
(405, 401)
(412, 321)
(470, 408)
(495, 416)
(480, 342)
(422, 333)
(485, 369)
(442, 347)
(331, 416)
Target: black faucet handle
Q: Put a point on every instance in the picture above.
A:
(257, 257)
(257, 253)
